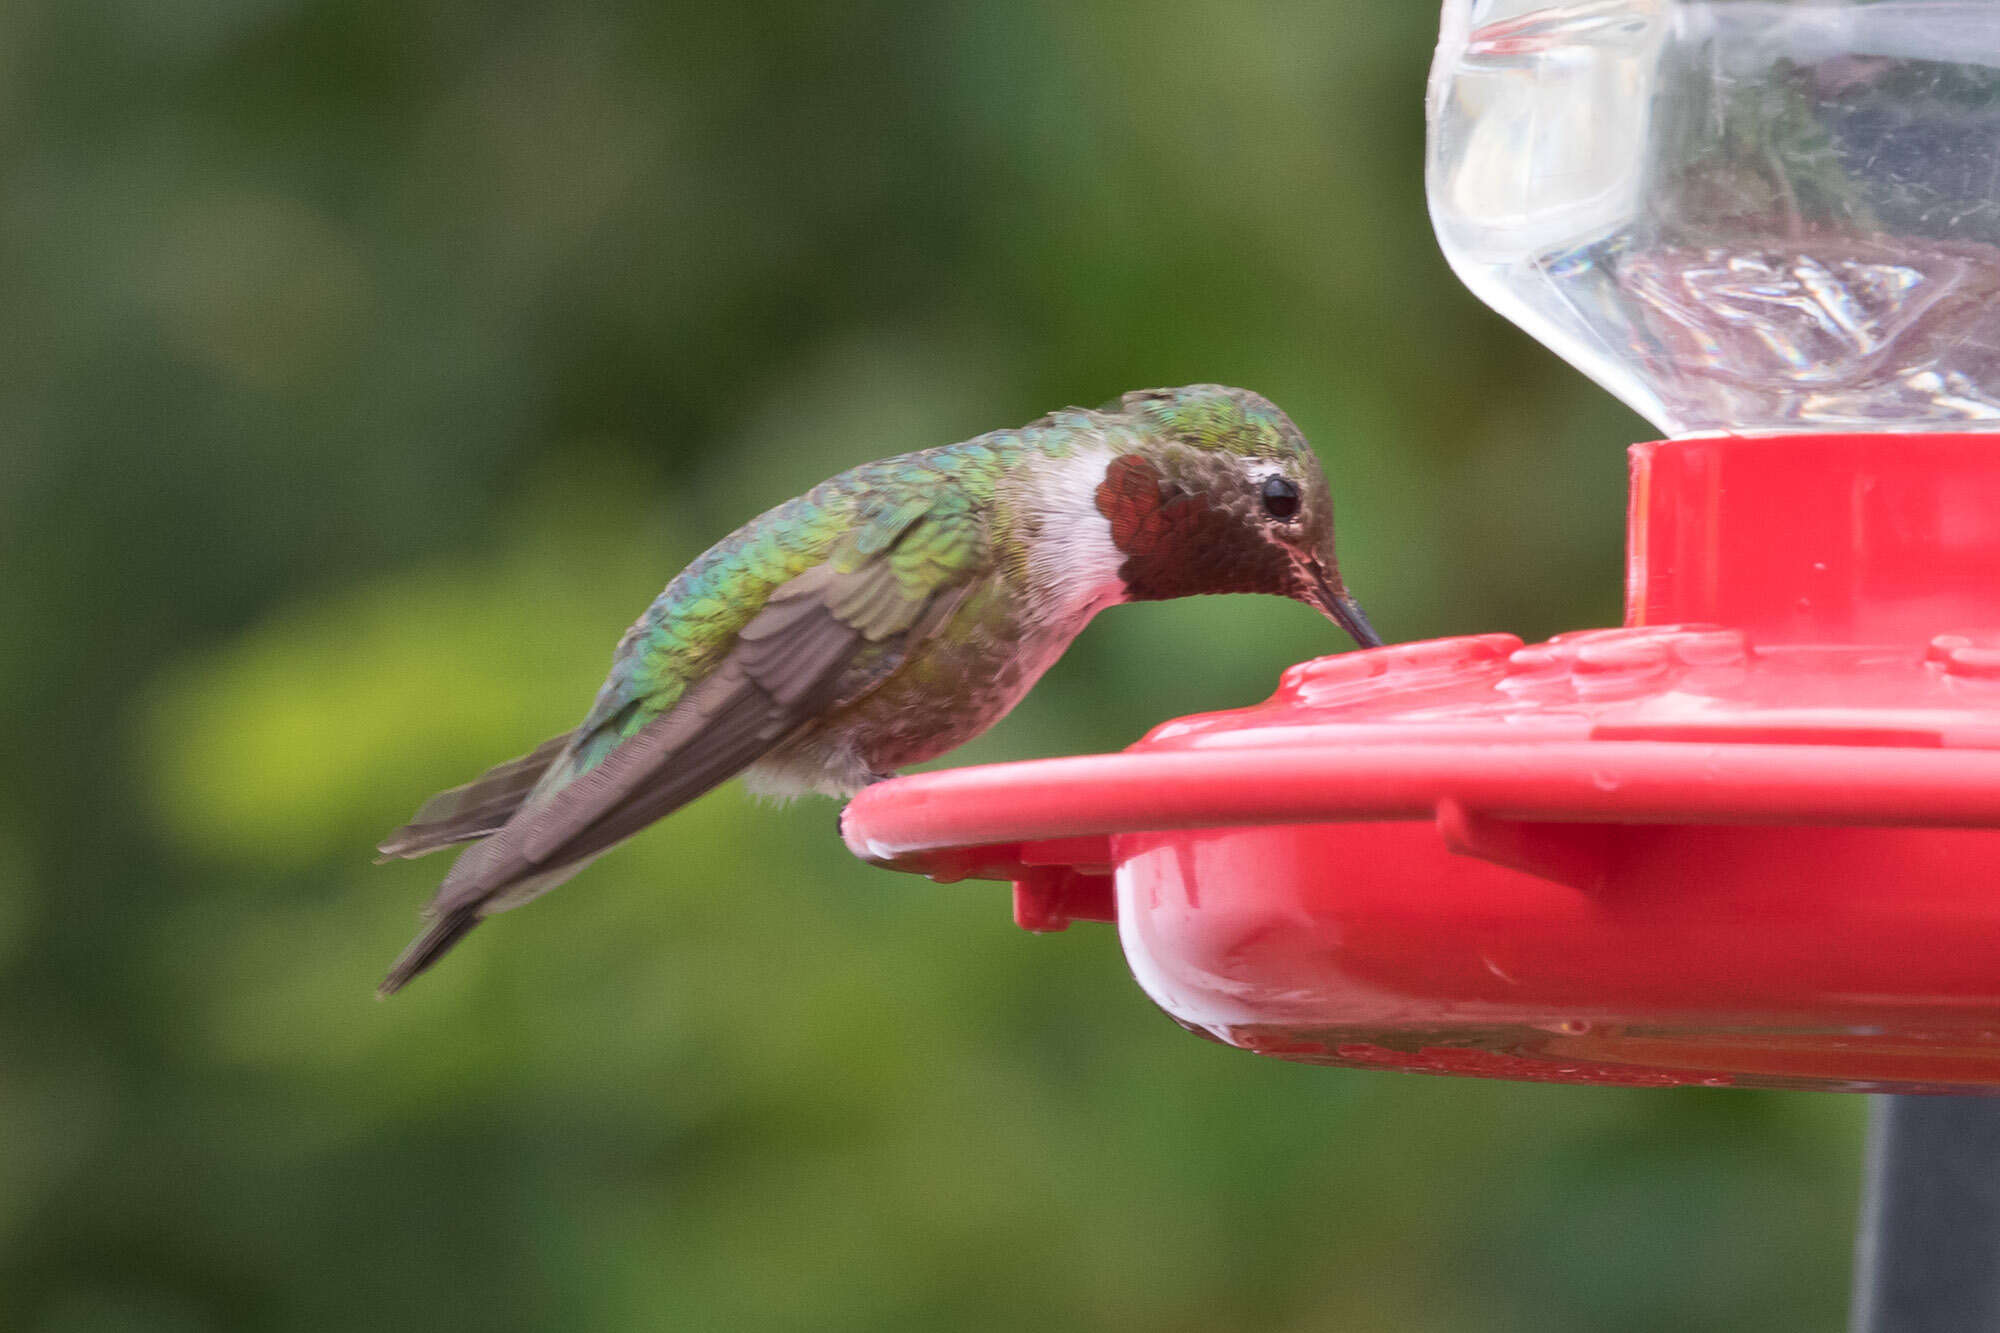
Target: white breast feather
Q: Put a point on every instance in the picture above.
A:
(1074, 564)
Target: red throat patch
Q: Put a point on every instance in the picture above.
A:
(1179, 542)
(1129, 496)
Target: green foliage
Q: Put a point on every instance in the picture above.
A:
(369, 365)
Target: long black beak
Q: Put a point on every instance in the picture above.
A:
(1342, 609)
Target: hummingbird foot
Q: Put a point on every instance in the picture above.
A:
(840, 818)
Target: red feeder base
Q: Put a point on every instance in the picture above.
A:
(1760, 850)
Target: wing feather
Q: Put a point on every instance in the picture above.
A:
(821, 640)
(791, 663)
(475, 809)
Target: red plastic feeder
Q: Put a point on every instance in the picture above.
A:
(1751, 839)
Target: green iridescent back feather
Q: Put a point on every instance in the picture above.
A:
(848, 518)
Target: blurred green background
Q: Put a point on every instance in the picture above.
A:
(369, 364)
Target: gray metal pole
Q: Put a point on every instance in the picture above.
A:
(1927, 1259)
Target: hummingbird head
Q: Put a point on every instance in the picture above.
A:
(1223, 494)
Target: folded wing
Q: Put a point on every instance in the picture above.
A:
(821, 640)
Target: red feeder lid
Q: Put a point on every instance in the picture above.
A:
(1751, 839)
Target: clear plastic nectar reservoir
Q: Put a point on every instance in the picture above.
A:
(1734, 214)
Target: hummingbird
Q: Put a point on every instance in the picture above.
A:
(885, 617)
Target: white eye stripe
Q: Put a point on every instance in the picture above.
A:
(1256, 471)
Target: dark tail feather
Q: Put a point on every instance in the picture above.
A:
(477, 808)
(428, 947)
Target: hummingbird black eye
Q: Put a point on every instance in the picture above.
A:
(1281, 498)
